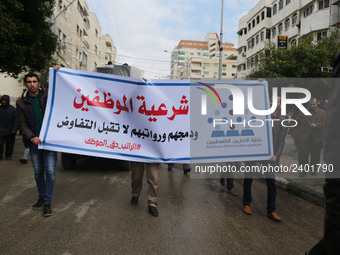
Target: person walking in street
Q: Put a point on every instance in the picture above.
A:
(279, 135)
(309, 135)
(8, 127)
(31, 107)
(227, 179)
(152, 172)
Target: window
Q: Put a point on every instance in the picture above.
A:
(95, 49)
(287, 24)
(84, 59)
(245, 31)
(198, 53)
(206, 64)
(176, 56)
(257, 39)
(274, 9)
(233, 74)
(293, 42)
(320, 35)
(262, 36)
(205, 54)
(60, 4)
(280, 5)
(182, 53)
(267, 33)
(181, 58)
(323, 4)
(252, 42)
(206, 73)
(280, 28)
(249, 26)
(274, 32)
(181, 64)
(262, 15)
(269, 12)
(96, 32)
(253, 22)
(107, 56)
(308, 11)
(224, 74)
(224, 65)
(215, 73)
(287, 2)
(258, 19)
(294, 19)
(249, 45)
(191, 53)
(215, 65)
(233, 66)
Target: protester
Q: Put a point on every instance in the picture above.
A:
(25, 155)
(31, 107)
(279, 135)
(137, 172)
(309, 134)
(8, 127)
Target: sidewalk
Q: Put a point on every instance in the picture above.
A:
(311, 188)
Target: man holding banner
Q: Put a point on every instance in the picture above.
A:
(31, 107)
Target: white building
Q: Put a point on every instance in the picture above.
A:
(289, 19)
(200, 59)
(81, 44)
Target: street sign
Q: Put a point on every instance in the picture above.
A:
(282, 42)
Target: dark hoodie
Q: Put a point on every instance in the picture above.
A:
(8, 118)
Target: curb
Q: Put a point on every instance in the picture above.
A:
(301, 191)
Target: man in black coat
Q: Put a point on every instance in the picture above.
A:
(8, 127)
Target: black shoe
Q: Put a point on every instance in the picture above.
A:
(39, 203)
(47, 210)
(232, 191)
(24, 161)
(153, 211)
(134, 200)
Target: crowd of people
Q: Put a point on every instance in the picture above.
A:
(308, 135)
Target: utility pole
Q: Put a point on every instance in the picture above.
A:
(221, 47)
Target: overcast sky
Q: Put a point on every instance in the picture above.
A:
(143, 29)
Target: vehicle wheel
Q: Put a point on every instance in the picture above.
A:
(68, 161)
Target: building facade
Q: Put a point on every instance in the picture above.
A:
(81, 43)
(200, 59)
(282, 22)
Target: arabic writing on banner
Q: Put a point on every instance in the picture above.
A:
(127, 118)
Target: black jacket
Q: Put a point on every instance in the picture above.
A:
(8, 118)
(26, 114)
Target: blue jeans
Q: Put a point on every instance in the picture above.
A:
(44, 163)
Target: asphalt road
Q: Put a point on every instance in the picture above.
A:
(92, 215)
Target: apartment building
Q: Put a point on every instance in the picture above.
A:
(81, 43)
(282, 22)
(200, 59)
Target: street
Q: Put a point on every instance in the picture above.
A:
(92, 215)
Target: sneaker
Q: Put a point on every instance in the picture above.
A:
(273, 216)
(47, 210)
(247, 210)
(24, 161)
(134, 200)
(39, 203)
(232, 192)
(153, 211)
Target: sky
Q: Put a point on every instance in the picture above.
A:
(145, 32)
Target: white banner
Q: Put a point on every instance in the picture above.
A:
(126, 118)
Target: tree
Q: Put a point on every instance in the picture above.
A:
(300, 61)
(27, 41)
